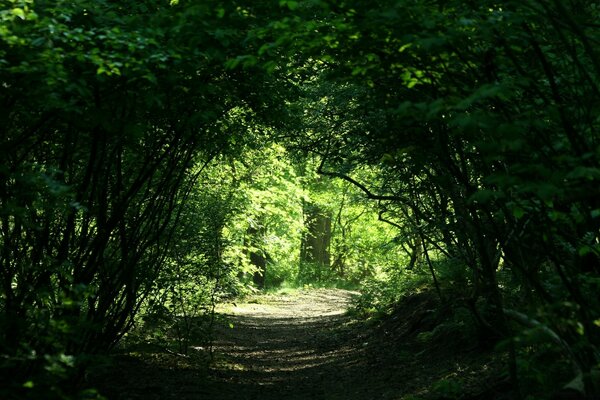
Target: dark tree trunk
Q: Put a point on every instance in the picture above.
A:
(257, 256)
(259, 261)
(317, 238)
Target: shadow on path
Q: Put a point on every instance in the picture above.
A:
(303, 345)
(294, 347)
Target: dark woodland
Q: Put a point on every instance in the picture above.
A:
(299, 199)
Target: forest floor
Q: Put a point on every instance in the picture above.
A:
(302, 344)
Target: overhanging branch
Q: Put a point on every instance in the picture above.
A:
(366, 191)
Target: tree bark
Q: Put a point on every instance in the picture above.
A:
(317, 238)
(257, 255)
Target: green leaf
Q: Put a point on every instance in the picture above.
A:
(18, 12)
(580, 329)
(583, 250)
(587, 173)
(265, 48)
(404, 47)
(291, 4)
(518, 212)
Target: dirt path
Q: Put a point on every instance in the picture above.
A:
(293, 346)
(302, 345)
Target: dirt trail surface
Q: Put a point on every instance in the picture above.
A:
(303, 345)
(287, 346)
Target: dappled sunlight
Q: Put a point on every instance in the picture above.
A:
(286, 352)
(286, 340)
(300, 306)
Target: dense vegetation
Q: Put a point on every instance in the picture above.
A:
(157, 157)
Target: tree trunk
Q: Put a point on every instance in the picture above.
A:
(257, 255)
(317, 238)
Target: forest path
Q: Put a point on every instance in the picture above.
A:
(301, 344)
(292, 345)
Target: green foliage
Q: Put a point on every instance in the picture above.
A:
(269, 198)
(480, 122)
(272, 189)
(447, 389)
(542, 368)
(380, 295)
(314, 273)
(138, 164)
(103, 133)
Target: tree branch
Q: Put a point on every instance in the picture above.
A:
(368, 193)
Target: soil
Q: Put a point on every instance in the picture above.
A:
(304, 345)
